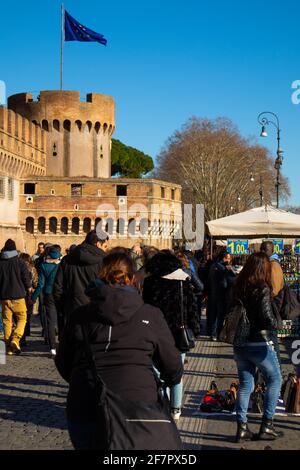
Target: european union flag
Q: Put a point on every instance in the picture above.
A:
(74, 31)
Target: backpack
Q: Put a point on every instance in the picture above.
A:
(291, 393)
(290, 306)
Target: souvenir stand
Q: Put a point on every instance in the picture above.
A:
(246, 230)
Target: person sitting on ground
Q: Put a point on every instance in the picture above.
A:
(126, 336)
(254, 289)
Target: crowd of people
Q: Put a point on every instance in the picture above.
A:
(129, 305)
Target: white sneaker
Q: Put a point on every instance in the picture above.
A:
(176, 413)
(53, 352)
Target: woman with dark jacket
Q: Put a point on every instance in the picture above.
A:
(166, 283)
(126, 337)
(253, 287)
(47, 272)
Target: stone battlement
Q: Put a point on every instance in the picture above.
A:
(98, 110)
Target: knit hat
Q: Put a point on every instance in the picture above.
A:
(54, 253)
(9, 245)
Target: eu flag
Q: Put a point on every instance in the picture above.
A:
(74, 31)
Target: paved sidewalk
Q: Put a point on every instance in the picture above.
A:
(33, 397)
(216, 432)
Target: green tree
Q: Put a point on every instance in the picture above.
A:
(129, 162)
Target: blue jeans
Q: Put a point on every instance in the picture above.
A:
(264, 357)
(83, 435)
(174, 393)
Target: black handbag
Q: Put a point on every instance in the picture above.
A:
(236, 326)
(126, 425)
(184, 338)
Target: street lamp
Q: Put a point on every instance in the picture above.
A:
(264, 121)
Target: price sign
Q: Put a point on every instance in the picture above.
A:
(278, 246)
(238, 247)
(297, 247)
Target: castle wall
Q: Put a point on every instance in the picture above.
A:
(55, 215)
(79, 139)
(22, 153)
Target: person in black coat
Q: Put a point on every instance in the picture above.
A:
(80, 267)
(162, 289)
(126, 336)
(15, 284)
(220, 281)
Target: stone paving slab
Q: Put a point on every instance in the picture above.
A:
(217, 432)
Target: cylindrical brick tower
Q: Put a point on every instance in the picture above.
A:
(79, 133)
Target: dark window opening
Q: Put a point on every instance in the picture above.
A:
(162, 193)
(76, 189)
(29, 188)
(121, 190)
(173, 194)
(29, 226)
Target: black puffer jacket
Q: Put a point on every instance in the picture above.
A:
(14, 276)
(75, 273)
(260, 313)
(127, 337)
(165, 293)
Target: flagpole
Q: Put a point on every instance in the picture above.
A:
(62, 45)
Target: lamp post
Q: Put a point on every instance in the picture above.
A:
(264, 121)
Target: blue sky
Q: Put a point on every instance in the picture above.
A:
(166, 60)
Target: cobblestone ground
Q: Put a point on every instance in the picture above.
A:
(32, 399)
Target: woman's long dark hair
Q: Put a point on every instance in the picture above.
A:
(257, 271)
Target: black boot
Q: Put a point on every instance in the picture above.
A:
(243, 433)
(267, 430)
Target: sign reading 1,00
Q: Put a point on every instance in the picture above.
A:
(238, 247)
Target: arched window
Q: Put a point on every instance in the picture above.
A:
(109, 226)
(67, 125)
(53, 225)
(75, 225)
(105, 126)
(132, 227)
(42, 224)
(121, 226)
(56, 125)
(144, 227)
(97, 127)
(29, 227)
(98, 220)
(88, 126)
(78, 124)
(87, 225)
(45, 125)
(64, 225)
